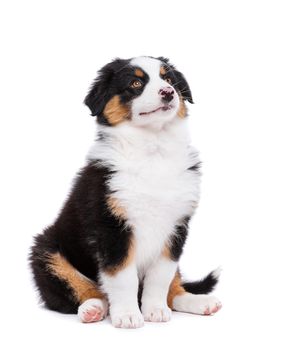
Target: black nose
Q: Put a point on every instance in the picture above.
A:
(167, 94)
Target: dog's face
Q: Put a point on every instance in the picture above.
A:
(144, 91)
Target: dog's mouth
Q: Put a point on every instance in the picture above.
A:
(162, 108)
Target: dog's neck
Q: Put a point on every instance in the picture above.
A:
(127, 139)
(176, 130)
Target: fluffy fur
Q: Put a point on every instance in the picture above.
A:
(121, 232)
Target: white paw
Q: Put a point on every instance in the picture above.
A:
(201, 304)
(208, 305)
(157, 314)
(92, 310)
(132, 319)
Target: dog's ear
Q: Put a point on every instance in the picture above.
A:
(102, 89)
(180, 84)
(98, 94)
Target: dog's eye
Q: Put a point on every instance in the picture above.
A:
(136, 84)
(168, 80)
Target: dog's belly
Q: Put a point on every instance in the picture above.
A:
(156, 197)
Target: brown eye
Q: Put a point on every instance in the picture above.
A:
(136, 84)
(168, 80)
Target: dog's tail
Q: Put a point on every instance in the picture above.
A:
(205, 285)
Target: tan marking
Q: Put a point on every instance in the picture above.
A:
(166, 252)
(125, 263)
(182, 112)
(163, 70)
(115, 111)
(116, 208)
(139, 73)
(82, 287)
(175, 289)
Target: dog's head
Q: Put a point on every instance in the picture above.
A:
(143, 90)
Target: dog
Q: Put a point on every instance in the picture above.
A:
(115, 246)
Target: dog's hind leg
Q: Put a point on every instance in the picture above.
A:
(181, 300)
(63, 288)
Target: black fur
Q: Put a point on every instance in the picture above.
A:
(178, 239)
(86, 233)
(54, 292)
(102, 89)
(196, 167)
(204, 286)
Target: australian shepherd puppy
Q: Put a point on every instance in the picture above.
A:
(116, 244)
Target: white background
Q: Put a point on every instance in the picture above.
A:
(235, 57)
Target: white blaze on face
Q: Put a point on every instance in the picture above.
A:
(150, 99)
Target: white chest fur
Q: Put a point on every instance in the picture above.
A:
(152, 181)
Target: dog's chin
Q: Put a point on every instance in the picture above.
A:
(155, 117)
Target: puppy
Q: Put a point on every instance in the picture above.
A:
(117, 241)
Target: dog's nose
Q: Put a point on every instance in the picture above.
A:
(167, 93)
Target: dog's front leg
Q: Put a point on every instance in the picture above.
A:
(155, 291)
(121, 288)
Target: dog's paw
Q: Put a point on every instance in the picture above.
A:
(200, 304)
(92, 310)
(157, 314)
(132, 319)
(209, 305)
